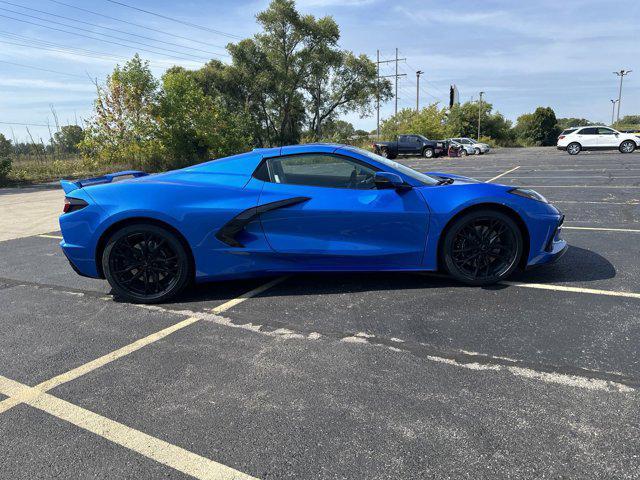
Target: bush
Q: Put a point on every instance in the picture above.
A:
(5, 168)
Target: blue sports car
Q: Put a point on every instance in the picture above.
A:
(300, 208)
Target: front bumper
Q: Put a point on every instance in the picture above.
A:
(553, 247)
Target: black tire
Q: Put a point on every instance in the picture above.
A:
(627, 146)
(574, 148)
(428, 153)
(482, 247)
(478, 151)
(463, 152)
(145, 263)
(384, 153)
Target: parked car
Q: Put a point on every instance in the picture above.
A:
(596, 137)
(465, 149)
(410, 145)
(302, 208)
(480, 148)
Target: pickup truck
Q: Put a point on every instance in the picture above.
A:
(410, 145)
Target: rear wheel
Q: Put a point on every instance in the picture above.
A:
(574, 148)
(627, 146)
(482, 247)
(145, 263)
(384, 152)
(427, 153)
(463, 152)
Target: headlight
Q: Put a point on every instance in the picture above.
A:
(528, 193)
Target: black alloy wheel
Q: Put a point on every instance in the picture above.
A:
(482, 247)
(145, 264)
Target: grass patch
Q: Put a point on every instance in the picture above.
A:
(26, 170)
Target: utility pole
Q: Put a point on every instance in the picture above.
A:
(479, 113)
(613, 110)
(621, 74)
(418, 73)
(378, 95)
(378, 62)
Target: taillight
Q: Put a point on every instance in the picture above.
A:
(561, 137)
(72, 204)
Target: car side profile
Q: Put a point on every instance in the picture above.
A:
(465, 149)
(479, 147)
(410, 145)
(303, 208)
(575, 140)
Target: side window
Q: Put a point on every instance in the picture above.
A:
(605, 131)
(321, 170)
(403, 139)
(588, 131)
(416, 139)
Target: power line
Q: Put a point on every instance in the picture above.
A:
(94, 38)
(26, 124)
(90, 31)
(132, 23)
(194, 25)
(41, 69)
(107, 28)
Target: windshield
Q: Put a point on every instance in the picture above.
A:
(410, 172)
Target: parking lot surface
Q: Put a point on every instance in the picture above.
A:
(383, 376)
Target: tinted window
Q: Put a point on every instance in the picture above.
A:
(403, 138)
(568, 131)
(410, 172)
(588, 131)
(605, 131)
(321, 170)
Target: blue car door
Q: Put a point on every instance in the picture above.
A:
(337, 218)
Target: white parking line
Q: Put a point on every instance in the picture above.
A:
(560, 288)
(151, 447)
(42, 235)
(630, 202)
(583, 186)
(602, 229)
(503, 174)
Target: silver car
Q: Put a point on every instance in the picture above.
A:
(478, 147)
(465, 149)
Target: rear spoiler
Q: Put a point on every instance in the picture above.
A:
(69, 185)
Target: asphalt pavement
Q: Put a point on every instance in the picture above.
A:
(377, 376)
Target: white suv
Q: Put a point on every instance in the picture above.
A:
(595, 137)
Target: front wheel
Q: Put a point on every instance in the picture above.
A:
(428, 153)
(145, 263)
(627, 146)
(478, 151)
(574, 148)
(482, 247)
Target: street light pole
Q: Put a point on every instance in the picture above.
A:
(613, 110)
(479, 113)
(418, 73)
(621, 74)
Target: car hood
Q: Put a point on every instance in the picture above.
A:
(458, 178)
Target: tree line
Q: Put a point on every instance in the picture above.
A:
(288, 84)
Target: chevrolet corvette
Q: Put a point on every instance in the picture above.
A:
(302, 208)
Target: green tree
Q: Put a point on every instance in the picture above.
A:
(5, 146)
(122, 129)
(539, 128)
(429, 121)
(68, 138)
(628, 122)
(463, 122)
(193, 127)
(339, 83)
(564, 123)
(5, 159)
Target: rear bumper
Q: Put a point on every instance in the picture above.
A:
(561, 148)
(77, 257)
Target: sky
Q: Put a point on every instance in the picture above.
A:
(523, 55)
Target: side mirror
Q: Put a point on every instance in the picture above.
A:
(390, 180)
